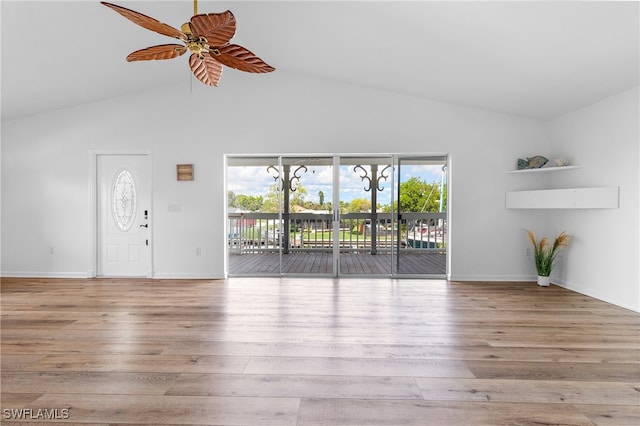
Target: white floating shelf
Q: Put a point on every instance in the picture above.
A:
(571, 198)
(544, 169)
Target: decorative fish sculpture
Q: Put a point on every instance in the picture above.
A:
(532, 162)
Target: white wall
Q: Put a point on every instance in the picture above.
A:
(604, 256)
(45, 196)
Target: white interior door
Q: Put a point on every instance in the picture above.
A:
(123, 209)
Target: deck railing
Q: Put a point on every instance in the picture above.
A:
(359, 232)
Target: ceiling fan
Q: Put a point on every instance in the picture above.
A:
(207, 36)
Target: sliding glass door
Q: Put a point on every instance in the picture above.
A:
(421, 218)
(366, 216)
(307, 216)
(337, 215)
(254, 221)
(281, 216)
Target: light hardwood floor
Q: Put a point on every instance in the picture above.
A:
(271, 351)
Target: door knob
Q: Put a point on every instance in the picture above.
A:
(146, 225)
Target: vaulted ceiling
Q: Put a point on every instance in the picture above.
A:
(536, 59)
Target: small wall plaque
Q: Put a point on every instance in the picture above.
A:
(185, 171)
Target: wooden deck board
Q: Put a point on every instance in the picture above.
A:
(350, 264)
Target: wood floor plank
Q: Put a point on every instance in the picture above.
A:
(141, 363)
(618, 372)
(70, 344)
(112, 383)
(338, 412)
(486, 352)
(17, 362)
(34, 323)
(292, 386)
(313, 351)
(18, 400)
(529, 391)
(357, 367)
(40, 422)
(593, 340)
(267, 349)
(612, 415)
(175, 410)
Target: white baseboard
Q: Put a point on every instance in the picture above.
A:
(85, 275)
(186, 276)
(493, 278)
(596, 295)
(22, 274)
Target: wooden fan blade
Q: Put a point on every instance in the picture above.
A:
(146, 22)
(206, 69)
(217, 28)
(163, 51)
(240, 58)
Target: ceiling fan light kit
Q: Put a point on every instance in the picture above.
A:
(208, 38)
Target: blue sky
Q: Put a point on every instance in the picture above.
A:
(256, 181)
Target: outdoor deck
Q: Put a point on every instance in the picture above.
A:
(411, 263)
(256, 238)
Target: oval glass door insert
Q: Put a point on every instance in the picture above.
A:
(124, 203)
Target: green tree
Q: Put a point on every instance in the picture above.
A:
(231, 199)
(249, 202)
(321, 197)
(298, 197)
(418, 196)
(359, 205)
(271, 202)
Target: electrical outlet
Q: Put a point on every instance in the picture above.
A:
(528, 252)
(51, 250)
(198, 251)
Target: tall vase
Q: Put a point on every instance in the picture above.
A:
(543, 281)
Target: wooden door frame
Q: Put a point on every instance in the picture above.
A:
(93, 207)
